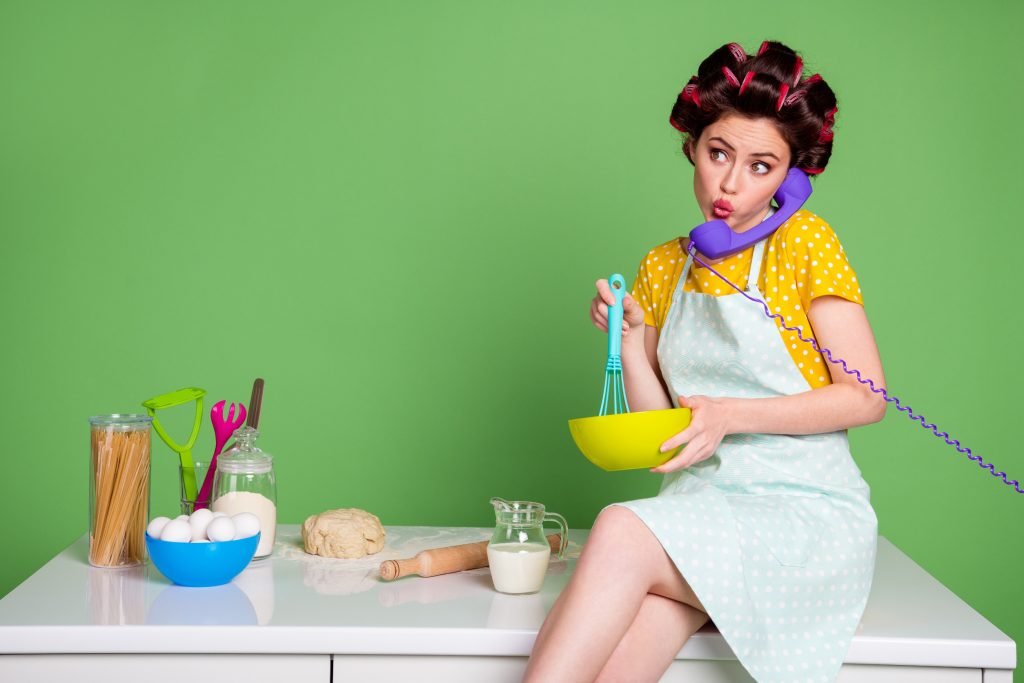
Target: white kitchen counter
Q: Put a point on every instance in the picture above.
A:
(348, 624)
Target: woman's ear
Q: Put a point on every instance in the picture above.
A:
(689, 146)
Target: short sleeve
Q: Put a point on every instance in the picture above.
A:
(643, 292)
(818, 262)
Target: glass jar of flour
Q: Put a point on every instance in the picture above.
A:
(244, 482)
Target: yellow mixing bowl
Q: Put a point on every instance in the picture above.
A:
(628, 441)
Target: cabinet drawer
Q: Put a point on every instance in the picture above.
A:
(448, 669)
(161, 668)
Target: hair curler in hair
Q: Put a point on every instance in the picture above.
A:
(783, 89)
(746, 80)
(690, 92)
(826, 134)
(738, 52)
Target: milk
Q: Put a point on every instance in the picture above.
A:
(518, 567)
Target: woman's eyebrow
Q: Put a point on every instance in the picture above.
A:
(733, 149)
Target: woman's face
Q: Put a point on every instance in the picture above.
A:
(739, 164)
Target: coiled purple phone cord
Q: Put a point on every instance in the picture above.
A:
(856, 373)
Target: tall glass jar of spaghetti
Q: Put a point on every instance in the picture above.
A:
(118, 489)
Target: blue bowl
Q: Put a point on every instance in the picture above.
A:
(201, 564)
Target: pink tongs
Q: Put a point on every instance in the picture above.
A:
(223, 428)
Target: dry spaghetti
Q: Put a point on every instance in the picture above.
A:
(119, 490)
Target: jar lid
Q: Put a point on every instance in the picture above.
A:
(245, 457)
(245, 463)
(121, 422)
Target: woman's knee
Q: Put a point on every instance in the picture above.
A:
(618, 530)
(613, 522)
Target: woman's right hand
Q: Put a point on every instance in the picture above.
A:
(632, 313)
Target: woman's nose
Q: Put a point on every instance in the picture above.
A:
(731, 180)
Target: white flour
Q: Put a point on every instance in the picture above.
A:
(245, 501)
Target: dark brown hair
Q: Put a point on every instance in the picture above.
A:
(767, 85)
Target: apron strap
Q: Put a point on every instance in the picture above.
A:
(758, 256)
(686, 269)
(755, 265)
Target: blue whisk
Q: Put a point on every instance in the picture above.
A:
(614, 389)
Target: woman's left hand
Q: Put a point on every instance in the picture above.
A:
(709, 423)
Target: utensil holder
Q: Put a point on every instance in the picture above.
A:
(198, 471)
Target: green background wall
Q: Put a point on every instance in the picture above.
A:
(395, 212)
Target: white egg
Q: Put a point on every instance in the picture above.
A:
(184, 517)
(156, 526)
(201, 540)
(220, 514)
(246, 524)
(177, 530)
(199, 520)
(221, 529)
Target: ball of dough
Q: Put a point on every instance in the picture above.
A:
(349, 533)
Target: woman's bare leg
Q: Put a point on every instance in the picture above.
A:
(621, 563)
(658, 633)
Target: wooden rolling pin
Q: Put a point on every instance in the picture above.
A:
(454, 558)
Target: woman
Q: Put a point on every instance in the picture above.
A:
(763, 523)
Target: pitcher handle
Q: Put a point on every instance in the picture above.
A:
(560, 520)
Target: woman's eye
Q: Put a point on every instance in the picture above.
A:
(760, 167)
(715, 152)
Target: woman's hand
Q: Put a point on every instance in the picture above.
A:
(632, 313)
(709, 423)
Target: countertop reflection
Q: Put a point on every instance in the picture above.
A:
(289, 589)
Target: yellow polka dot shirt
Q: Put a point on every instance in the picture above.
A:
(803, 260)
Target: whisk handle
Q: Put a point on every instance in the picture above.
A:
(618, 287)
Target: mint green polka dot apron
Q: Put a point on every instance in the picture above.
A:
(774, 533)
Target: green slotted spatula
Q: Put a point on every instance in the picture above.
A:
(177, 398)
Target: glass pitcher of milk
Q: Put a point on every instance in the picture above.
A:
(518, 552)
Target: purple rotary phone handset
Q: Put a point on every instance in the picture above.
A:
(715, 239)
